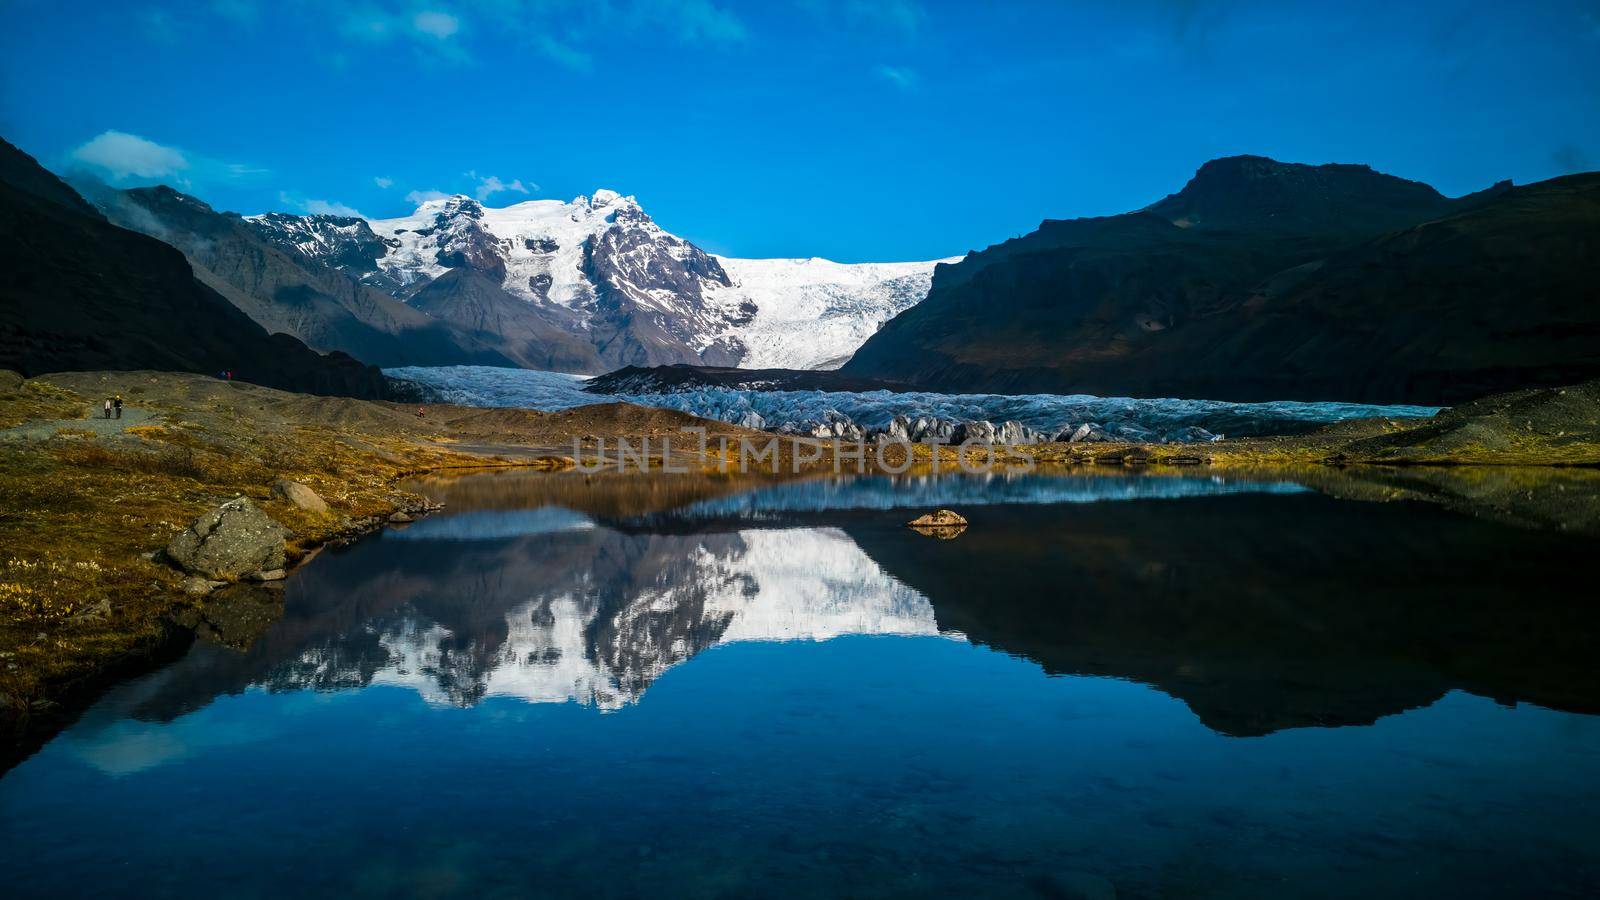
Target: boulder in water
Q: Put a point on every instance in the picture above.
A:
(230, 542)
(943, 524)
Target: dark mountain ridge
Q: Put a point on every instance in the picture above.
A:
(1264, 280)
(79, 293)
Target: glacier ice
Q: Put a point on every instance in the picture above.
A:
(803, 411)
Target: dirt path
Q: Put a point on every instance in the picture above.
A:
(95, 423)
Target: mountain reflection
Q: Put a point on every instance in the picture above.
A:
(462, 608)
(1261, 606)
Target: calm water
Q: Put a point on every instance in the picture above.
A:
(1108, 686)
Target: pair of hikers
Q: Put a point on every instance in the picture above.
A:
(113, 403)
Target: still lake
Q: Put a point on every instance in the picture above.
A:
(1109, 685)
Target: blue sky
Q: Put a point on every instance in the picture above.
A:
(905, 129)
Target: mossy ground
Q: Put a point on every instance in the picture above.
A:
(80, 516)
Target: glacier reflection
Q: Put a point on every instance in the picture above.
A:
(541, 605)
(603, 645)
(887, 492)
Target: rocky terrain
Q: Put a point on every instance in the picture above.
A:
(595, 284)
(285, 292)
(1270, 281)
(80, 293)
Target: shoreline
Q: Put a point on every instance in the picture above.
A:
(83, 605)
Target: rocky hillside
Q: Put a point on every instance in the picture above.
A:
(1264, 280)
(287, 291)
(78, 292)
(600, 270)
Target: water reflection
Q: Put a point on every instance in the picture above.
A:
(570, 687)
(1259, 605)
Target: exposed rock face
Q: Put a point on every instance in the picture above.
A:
(70, 273)
(233, 541)
(285, 290)
(345, 243)
(538, 336)
(1270, 281)
(300, 495)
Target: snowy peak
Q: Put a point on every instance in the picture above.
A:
(601, 265)
(345, 243)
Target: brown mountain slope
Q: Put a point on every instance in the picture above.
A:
(77, 292)
(284, 291)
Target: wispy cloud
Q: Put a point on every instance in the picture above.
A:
(124, 158)
(420, 197)
(434, 33)
(902, 77)
(244, 12)
(317, 207)
(563, 30)
(488, 187)
(439, 25)
(121, 156)
(161, 26)
(904, 17)
(563, 54)
(383, 182)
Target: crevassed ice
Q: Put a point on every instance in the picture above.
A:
(799, 410)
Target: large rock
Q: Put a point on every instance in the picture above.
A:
(939, 518)
(979, 432)
(230, 542)
(299, 495)
(943, 524)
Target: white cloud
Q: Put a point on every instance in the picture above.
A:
(383, 182)
(121, 156)
(904, 78)
(492, 185)
(420, 197)
(318, 207)
(441, 25)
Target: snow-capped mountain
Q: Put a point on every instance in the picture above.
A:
(598, 267)
(813, 313)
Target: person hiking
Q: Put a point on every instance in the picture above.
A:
(116, 403)
(108, 408)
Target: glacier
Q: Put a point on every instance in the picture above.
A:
(801, 411)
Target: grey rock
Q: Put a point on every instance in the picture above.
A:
(229, 542)
(899, 430)
(268, 575)
(1017, 433)
(197, 586)
(400, 518)
(752, 419)
(299, 495)
(1089, 433)
(980, 432)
